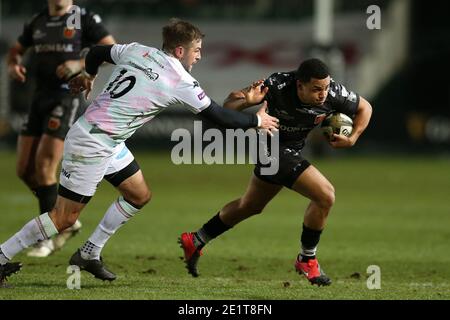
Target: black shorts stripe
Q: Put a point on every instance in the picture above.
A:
(118, 177)
(68, 194)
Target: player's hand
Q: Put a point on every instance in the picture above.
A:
(341, 141)
(82, 82)
(254, 93)
(17, 72)
(68, 69)
(269, 123)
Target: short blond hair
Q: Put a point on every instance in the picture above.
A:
(179, 33)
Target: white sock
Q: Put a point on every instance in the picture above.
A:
(38, 229)
(308, 252)
(118, 213)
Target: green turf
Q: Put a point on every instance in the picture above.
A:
(390, 212)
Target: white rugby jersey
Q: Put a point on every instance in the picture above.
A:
(144, 82)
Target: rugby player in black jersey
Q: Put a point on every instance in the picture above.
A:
(57, 51)
(301, 100)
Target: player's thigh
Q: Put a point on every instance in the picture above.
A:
(26, 154)
(259, 192)
(313, 185)
(125, 174)
(49, 152)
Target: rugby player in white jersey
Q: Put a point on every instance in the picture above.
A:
(144, 82)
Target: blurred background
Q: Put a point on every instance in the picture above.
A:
(401, 67)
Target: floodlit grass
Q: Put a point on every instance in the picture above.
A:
(390, 212)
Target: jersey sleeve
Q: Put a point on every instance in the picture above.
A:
(343, 100)
(269, 83)
(118, 51)
(26, 38)
(189, 93)
(93, 28)
(277, 82)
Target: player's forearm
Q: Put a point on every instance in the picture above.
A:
(96, 56)
(236, 101)
(15, 54)
(230, 118)
(362, 118)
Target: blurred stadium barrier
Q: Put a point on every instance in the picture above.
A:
(248, 40)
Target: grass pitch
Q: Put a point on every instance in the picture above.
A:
(390, 212)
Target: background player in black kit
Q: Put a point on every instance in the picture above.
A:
(57, 53)
(301, 100)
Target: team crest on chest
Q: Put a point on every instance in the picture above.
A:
(69, 33)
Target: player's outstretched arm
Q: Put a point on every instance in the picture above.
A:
(228, 118)
(360, 123)
(246, 97)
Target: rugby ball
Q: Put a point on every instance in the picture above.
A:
(337, 123)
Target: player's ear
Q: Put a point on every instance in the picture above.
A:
(300, 85)
(179, 52)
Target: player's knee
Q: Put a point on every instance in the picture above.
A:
(44, 168)
(327, 197)
(146, 198)
(140, 200)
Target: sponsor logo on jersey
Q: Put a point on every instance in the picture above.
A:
(53, 47)
(281, 86)
(38, 34)
(201, 95)
(289, 129)
(54, 123)
(148, 56)
(344, 91)
(196, 84)
(69, 33)
(148, 71)
(352, 96)
(54, 24)
(65, 173)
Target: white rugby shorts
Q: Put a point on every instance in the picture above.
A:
(86, 160)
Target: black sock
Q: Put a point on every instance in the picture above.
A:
(212, 229)
(310, 239)
(47, 197)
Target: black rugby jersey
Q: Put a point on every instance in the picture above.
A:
(298, 119)
(53, 43)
